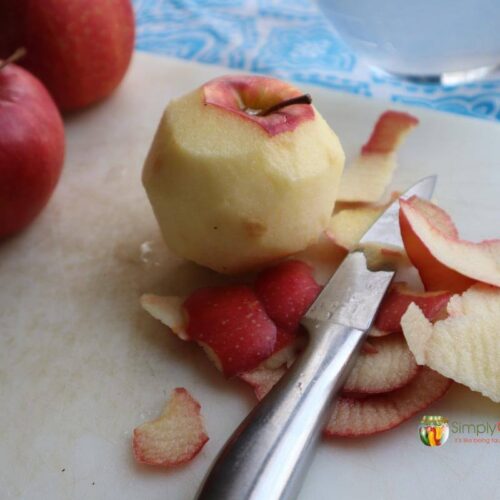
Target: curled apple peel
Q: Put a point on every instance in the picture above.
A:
(465, 346)
(444, 261)
(367, 178)
(169, 311)
(392, 366)
(396, 302)
(356, 417)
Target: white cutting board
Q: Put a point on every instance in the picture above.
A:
(81, 364)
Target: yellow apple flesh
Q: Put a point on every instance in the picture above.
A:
(232, 190)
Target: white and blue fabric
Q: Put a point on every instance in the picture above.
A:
(290, 39)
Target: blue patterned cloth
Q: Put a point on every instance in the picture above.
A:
(292, 40)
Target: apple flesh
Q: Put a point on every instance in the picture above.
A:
(356, 417)
(348, 225)
(233, 190)
(389, 366)
(371, 172)
(174, 438)
(252, 97)
(31, 148)
(444, 261)
(324, 256)
(169, 311)
(351, 221)
(262, 379)
(80, 49)
(392, 366)
(466, 345)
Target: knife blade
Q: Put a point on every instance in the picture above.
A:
(268, 454)
(353, 287)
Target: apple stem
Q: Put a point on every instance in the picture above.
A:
(301, 99)
(18, 54)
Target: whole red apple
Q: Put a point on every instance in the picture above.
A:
(80, 49)
(31, 148)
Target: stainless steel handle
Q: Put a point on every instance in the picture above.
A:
(268, 454)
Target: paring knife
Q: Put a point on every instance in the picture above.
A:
(267, 456)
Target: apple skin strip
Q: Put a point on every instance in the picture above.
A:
(465, 346)
(367, 178)
(356, 417)
(443, 260)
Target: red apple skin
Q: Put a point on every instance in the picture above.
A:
(286, 291)
(397, 301)
(388, 132)
(232, 323)
(80, 49)
(31, 148)
(434, 275)
(236, 93)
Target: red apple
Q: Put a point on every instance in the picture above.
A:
(80, 49)
(31, 148)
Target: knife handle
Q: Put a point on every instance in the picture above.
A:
(268, 454)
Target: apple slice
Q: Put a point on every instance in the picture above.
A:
(286, 291)
(396, 302)
(230, 323)
(355, 417)
(442, 259)
(368, 177)
(392, 366)
(169, 311)
(174, 438)
(262, 379)
(466, 345)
